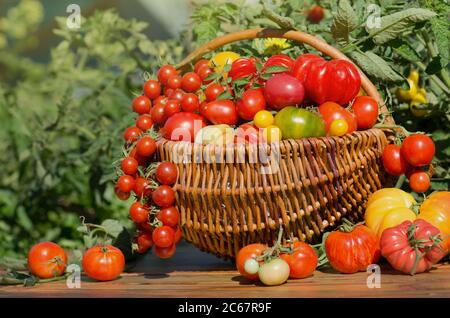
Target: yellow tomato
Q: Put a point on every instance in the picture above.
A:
(338, 127)
(387, 208)
(215, 134)
(218, 61)
(436, 211)
(263, 119)
(272, 134)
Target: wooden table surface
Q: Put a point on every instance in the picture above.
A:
(191, 273)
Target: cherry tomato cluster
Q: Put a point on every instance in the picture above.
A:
(411, 158)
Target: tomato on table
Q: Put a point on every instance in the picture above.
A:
(103, 262)
(47, 260)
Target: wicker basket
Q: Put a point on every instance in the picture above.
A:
(227, 205)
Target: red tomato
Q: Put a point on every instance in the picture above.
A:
(247, 133)
(165, 73)
(302, 262)
(283, 90)
(166, 173)
(365, 109)
(315, 14)
(160, 99)
(146, 146)
(169, 216)
(221, 112)
(419, 181)
(190, 103)
(393, 161)
(142, 161)
(144, 242)
(200, 64)
(191, 82)
(132, 134)
(331, 111)
(327, 81)
(174, 82)
(350, 252)
(165, 252)
(213, 91)
(129, 165)
(145, 227)
(279, 60)
(408, 247)
(176, 94)
(103, 263)
(120, 194)
(252, 101)
(172, 107)
(142, 105)
(163, 236)
(242, 67)
(157, 114)
(138, 212)
(163, 196)
(152, 89)
(142, 187)
(203, 72)
(47, 260)
(144, 122)
(178, 234)
(248, 252)
(183, 126)
(125, 183)
(418, 150)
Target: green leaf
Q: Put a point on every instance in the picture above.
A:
(113, 227)
(224, 95)
(375, 66)
(405, 50)
(275, 69)
(434, 66)
(441, 31)
(394, 25)
(212, 77)
(344, 22)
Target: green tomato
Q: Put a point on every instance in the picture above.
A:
(275, 272)
(251, 266)
(296, 123)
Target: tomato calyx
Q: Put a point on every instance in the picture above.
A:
(348, 226)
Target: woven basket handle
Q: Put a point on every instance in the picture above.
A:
(297, 36)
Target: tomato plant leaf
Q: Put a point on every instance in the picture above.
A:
(224, 95)
(113, 227)
(405, 50)
(344, 22)
(275, 69)
(394, 25)
(375, 66)
(441, 30)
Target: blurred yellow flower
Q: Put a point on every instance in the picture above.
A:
(274, 46)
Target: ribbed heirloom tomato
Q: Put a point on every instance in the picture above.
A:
(436, 211)
(103, 262)
(47, 260)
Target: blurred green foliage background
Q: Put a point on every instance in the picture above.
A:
(62, 116)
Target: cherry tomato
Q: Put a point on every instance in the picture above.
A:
(303, 260)
(152, 89)
(252, 101)
(315, 14)
(174, 82)
(183, 126)
(168, 91)
(275, 272)
(191, 82)
(146, 146)
(129, 165)
(365, 109)
(125, 183)
(203, 72)
(176, 94)
(138, 212)
(172, 107)
(145, 227)
(144, 122)
(338, 127)
(142, 105)
(393, 161)
(163, 236)
(47, 260)
(142, 187)
(163, 196)
(331, 111)
(157, 114)
(132, 134)
(263, 119)
(221, 112)
(213, 91)
(249, 252)
(169, 216)
(178, 234)
(200, 64)
(165, 73)
(160, 99)
(247, 133)
(283, 90)
(166, 173)
(419, 181)
(142, 161)
(120, 194)
(418, 150)
(190, 102)
(103, 262)
(144, 242)
(165, 252)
